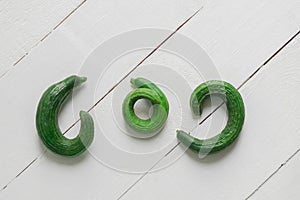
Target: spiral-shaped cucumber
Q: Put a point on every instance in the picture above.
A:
(146, 90)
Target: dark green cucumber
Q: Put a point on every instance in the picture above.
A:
(236, 116)
(47, 120)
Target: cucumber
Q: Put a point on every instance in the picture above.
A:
(146, 90)
(236, 116)
(47, 120)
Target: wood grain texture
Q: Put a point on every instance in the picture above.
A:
(282, 185)
(58, 56)
(25, 23)
(283, 182)
(238, 35)
(269, 137)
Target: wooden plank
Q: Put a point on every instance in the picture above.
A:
(58, 56)
(282, 185)
(84, 32)
(240, 35)
(270, 135)
(25, 23)
(244, 54)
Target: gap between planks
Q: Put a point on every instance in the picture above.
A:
(18, 61)
(43, 38)
(107, 93)
(155, 49)
(211, 113)
(53, 29)
(298, 150)
(273, 174)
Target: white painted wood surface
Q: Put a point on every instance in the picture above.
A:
(238, 35)
(269, 137)
(25, 23)
(59, 55)
(283, 185)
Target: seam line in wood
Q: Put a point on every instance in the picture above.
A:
(211, 113)
(273, 174)
(45, 36)
(298, 150)
(107, 93)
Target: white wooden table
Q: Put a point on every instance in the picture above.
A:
(253, 44)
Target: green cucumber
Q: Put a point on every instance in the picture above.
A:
(47, 120)
(146, 90)
(236, 116)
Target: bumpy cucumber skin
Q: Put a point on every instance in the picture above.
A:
(47, 120)
(236, 116)
(146, 90)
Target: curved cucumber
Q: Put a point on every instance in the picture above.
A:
(236, 116)
(47, 120)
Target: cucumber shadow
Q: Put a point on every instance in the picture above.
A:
(211, 158)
